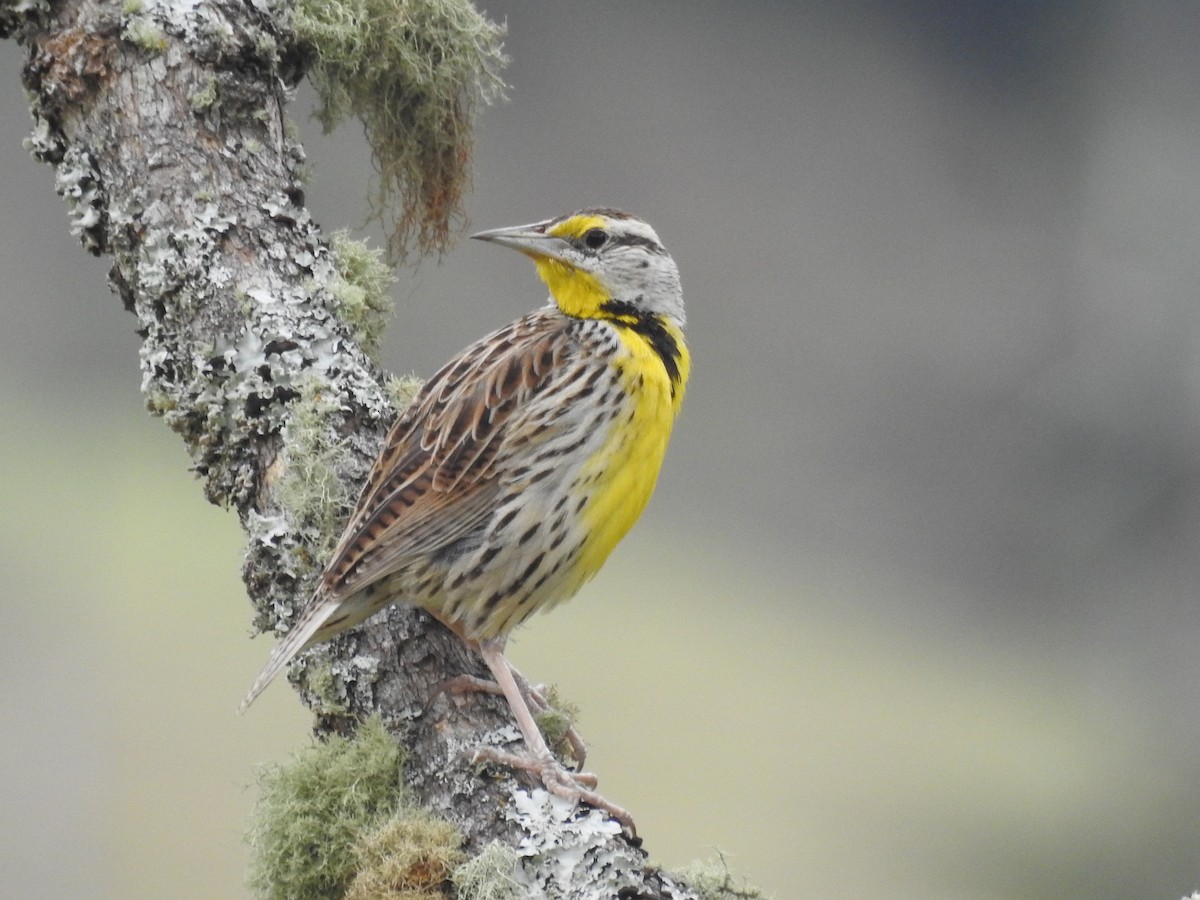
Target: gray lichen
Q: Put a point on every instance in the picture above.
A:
(78, 182)
(234, 297)
(18, 15)
(26, 7)
(569, 851)
(489, 875)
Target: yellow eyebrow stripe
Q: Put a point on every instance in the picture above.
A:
(576, 226)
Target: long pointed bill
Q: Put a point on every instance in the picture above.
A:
(532, 240)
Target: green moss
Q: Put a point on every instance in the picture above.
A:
(205, 97)
(131, 7)
(489, 876)
(556, 721)
(243, 300)
(143, 33)
(413, 71)
(265, 45)
(406, 858)
(361, 289)
(159, 403)
(309, 486)
(322, 684)
(403, 388)
(315, 809)
(712, 880)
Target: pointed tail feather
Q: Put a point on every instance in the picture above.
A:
(299, 638)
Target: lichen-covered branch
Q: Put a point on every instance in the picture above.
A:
(166, 128)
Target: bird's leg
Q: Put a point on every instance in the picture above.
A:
(533, 696)
(557, 779)
(466, 684)
(538, 700)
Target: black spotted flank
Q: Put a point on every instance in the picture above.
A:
(476, 572)
(650, 327)
(529, 570)
(505, 520)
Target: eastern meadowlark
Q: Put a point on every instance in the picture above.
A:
(520, 465)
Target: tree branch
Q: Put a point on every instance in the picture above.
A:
(166, 127)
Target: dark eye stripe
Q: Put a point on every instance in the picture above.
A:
(636, 240)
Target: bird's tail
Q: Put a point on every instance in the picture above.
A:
(309, 630)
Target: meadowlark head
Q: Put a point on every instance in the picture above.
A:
(596, 257)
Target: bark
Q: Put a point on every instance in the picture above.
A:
(166, 127)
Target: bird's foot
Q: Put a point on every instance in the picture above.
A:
(466, 684)
(535, 696)
(576, 787)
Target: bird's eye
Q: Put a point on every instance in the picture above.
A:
(595, 238)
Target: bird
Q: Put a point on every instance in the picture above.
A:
(519, 466)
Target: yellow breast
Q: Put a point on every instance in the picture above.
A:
(620, 477)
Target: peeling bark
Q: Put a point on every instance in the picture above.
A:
(165, 125)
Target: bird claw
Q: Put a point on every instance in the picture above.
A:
(575, 787)
(534, 695)
(464, 684)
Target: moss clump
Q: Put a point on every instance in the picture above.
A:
(141, 32)
(309, 486)
(712, 880)
(159, 402)
(315, 809)
(557, 720)
(489, 876)
(335, 822)
(403, 388)
(202, 98)
(408, 858)
(322, 684)
(360, 289)
(413, 71)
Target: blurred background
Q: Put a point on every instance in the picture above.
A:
(914, 611)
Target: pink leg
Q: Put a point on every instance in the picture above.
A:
(558, 780)
(533, 698)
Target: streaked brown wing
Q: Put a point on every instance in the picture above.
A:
(436, 478)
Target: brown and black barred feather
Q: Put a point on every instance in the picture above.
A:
(437, 479)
